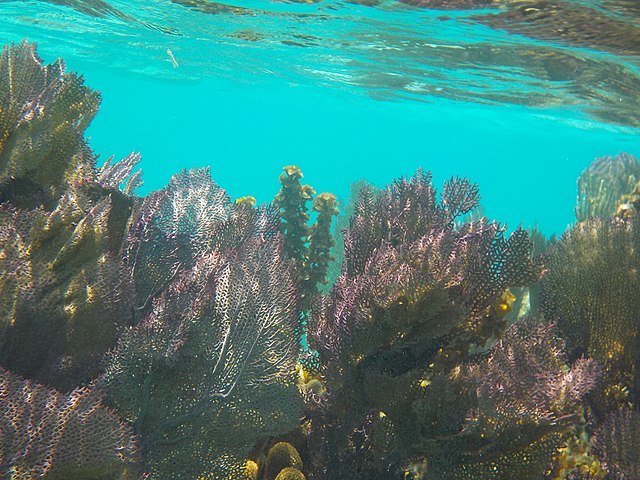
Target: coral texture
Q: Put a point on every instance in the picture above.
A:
(47, 434)
(43, 114)
(617, 442)
(602, 186)
(61, 226)
(527, 403)
(590, 291)
(215, 350)
(417, 293)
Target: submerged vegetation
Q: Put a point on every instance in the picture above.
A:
(183, 335)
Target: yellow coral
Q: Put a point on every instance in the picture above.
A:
(281, 456)
(504, 303)
(251, 470)
(247, 201)
(290, 473)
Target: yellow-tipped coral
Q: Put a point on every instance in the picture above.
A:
(251, 470)
(320, 240)
(292, 200)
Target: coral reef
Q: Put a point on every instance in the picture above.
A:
(43, 115)
(175, 320)
(603, 186)
(590, 291)
(47, 434)
(527, 403)
(215, 349)
(416, 296)
(62, 223)
(617, 442)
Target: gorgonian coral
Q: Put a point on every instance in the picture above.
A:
(617, 442)
(527, 402)
(417, 292)
(62, 223)
(43, 114)
(602, 186)
(215, 349)
(47, 434)
(590, 291)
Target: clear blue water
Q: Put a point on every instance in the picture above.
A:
(345, 92)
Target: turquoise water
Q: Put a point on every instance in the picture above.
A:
(344, 91)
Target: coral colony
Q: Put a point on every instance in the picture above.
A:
(184, 335)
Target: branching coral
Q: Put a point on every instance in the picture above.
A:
(308, 247)
(617, 442)
(47, 434)
(527, 403)
(417, 293)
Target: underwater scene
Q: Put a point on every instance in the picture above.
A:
(319, 239)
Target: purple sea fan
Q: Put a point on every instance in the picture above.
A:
(527, 403)
(44, 433)
(403, 243)
(189, 218)
(526, 374)
(418, 291)
(215, 354)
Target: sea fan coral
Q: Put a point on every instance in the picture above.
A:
(43, 114)
(526, 404)
(61, 226)
(216, 348)
(62, 299)
(617, 442)
(602, 186)
(591, 291)
(44, 433)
